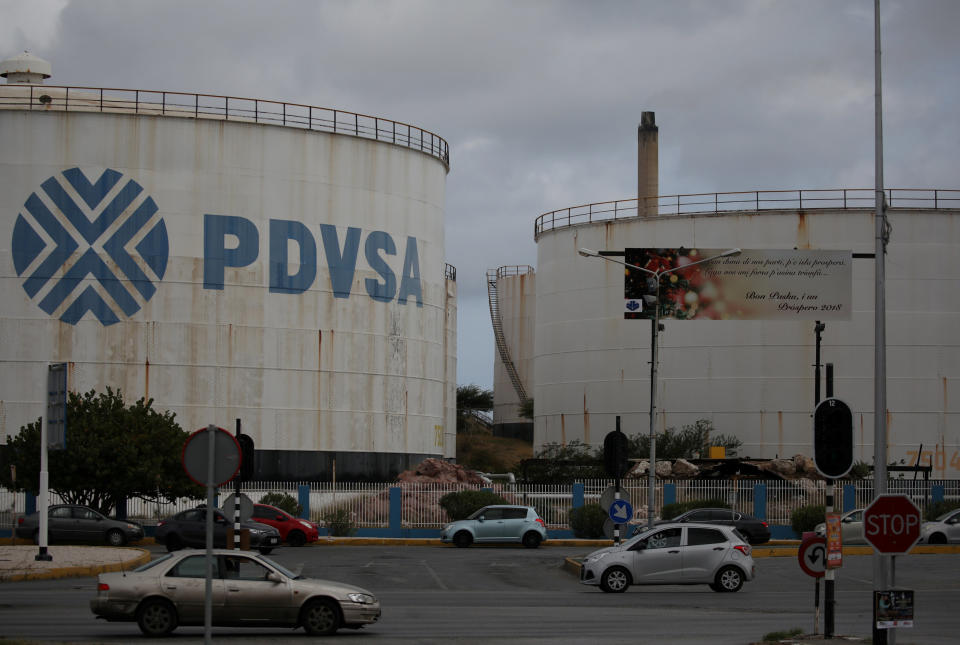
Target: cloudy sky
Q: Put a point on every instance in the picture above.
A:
(540, 100)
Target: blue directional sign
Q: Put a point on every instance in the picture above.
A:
(621, 512)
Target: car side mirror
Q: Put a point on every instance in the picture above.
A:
(480, 519)
(280, 518)
(274, 578)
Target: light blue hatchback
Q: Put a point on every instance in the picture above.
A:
(499, 523)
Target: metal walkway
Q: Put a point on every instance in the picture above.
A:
(504, 350)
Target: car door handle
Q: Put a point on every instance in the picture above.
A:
(171, 587)
(234, 589)
(673, 551)
(718, 548)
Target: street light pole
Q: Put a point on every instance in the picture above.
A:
(654, 344)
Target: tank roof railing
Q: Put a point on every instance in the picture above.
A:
(449, 271)
(512, 270)
(746, 201)
(227, 108)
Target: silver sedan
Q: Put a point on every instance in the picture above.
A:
(851, 527)
(248, 590)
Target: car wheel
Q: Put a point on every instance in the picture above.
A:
(265, 550)
(531, 539)
(116, 537)
(173, 542)
(320, 617)
(937, 538)
(729, 579)
(462, 539)
(156, 617)
(296, 538)
(615, 580)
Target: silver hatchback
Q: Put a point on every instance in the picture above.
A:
(673, 554)
(497, 523)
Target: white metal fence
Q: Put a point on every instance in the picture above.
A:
(369, 503)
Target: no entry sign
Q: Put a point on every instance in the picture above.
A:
(892, 524)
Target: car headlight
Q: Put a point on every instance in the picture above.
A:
(361, 598)
(598, 557)
(256, 532)
(132, 527)
(305, 524)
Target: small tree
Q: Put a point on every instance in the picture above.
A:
(114, 452)
(807, 517)
(686, 443)
(283, 501)
(587, 521)
(460, 504)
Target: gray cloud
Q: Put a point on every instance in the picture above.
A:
(540, 100)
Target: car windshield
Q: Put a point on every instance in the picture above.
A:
(946, 515)
(282, 569)
(154, 563)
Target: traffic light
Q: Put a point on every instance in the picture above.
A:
(833, 438)
(615, 453)
(246, 456)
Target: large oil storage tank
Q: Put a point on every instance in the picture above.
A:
(276, 263)
(753, 379)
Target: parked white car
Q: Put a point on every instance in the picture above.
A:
(673, 554)
(945, 529)
(851, 527)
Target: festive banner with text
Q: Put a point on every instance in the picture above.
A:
(752, 285)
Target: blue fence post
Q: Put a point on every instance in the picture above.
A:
(760, 501)
(937, 493)
(849, 497)
(578, 495)
(303, 499)
(669, 494)
(29, 503)
(396, 511)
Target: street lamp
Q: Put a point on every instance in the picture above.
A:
(654, 335)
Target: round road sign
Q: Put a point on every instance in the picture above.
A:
(196, 456)
(812, 555)
(892, 524)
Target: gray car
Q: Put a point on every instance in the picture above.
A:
(496, 524)
(248, 590)
(945, 529)
(673, 554)
(75, 523)
(189, 529)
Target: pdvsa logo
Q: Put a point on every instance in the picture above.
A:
(90, 246)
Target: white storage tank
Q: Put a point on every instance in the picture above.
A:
(231, 259)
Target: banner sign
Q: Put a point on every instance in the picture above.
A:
(751, 285)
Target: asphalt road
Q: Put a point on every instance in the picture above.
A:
(482, 594)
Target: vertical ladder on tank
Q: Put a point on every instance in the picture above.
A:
(502, 348)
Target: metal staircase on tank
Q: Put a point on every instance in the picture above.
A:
(492, 276)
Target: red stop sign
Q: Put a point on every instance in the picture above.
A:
(892, 524)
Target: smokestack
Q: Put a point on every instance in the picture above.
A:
(648, 159)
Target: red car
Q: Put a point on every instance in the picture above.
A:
(293, 530)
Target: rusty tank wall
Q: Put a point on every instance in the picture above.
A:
(754, 379)
(288, 278)
(516, 295)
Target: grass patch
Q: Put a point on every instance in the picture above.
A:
(773, 637)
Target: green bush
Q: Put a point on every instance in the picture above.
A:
(282, 501)
(461, 504)
(936, 509)
(670, 511)
(587, 521)
(807, 517)
(339, 522)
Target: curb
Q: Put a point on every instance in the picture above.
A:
(142, 557)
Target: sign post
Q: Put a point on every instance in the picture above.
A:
(891, 524)
(812, 556)
(211, 457)
(615, 453)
